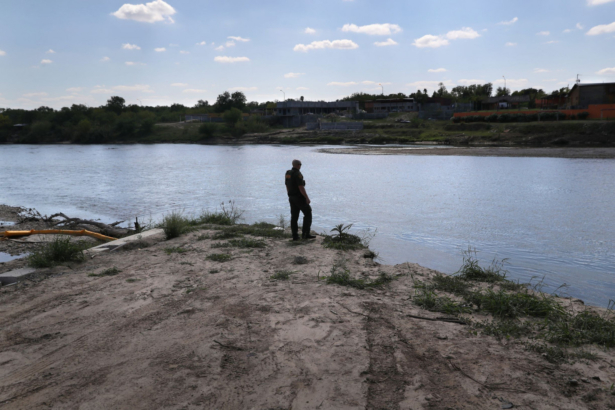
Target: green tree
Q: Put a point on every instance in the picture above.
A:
(502, 92)
(83, 128)
(116, 104)
(5, 122)
(226, 101)
(232, 117)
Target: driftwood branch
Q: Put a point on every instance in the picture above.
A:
(440, 319)
(352, 311)
(108, 229)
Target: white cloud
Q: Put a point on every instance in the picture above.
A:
(194, 91)
(74, 90)
(464, 33)
(160, 49)
(225, 59)
(35, 95)
(133, 63)
(541, 70)
(607, 71)
(567, 30)
(389, 42)
(335, 44)
(579, 26)
(50, 51)
(429, 41)
(464, 81)
(374, 83)
(243, 89)
(2, 53)
(511, 82)
(543, 33)
(179, 85)
(508, 23)
(509, 44)
(598, 2)
(101, 90)
(129, 46)
(202, 43)
(552, 42)
(45, 61)
(142, 88)
(173, 45)
(240, 39)
(152, 12)
(302, 88)
(219, 48)
(436, 70)
(601, 29)
(105, 59)
(336, 83)
(184, 52)
(373, 29)
(293, 75)
(309, 31)
(230, 43)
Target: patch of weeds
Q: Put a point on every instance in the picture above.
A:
(174, 224)
(552, 354)
(512, 305)
(212, 271)
(451, 284)
(220, 245)
(186, 263)
(59, 250)
(343, 241)
(584, 328)
(512, 286)
(583, 354)
(132, 280)
(505, 329)
(175, 249)
(203, 237)
(107, 272)
(247, 243)
(190, 290)
(219, 257)
(282, 275)
(226, 234)
(471, 270)
(428, 299)
(229, 214)
(340, 275)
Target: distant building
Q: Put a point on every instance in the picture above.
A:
(582, 95)
(505, 101)
(392, 105)
(315, 107)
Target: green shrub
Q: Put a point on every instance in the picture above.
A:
(174, 224)
(504, 118)
(61, 249)
(208, 130)
(491, 118)
(232, 117)
(343, 240)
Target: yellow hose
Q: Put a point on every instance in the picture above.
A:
(7, 234)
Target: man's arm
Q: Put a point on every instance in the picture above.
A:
(302, 190)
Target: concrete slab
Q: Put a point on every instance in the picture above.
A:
(16, 275)
(109, 246)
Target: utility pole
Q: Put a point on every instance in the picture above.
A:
(504, 84)
(381, 86)
(578, 79)
(284, 94)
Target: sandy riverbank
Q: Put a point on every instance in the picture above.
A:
(177, 330)
(589, 153)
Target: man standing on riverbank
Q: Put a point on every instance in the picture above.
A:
(299, 202)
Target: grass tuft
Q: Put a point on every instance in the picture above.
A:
(59, 250)
(282, 275)
(107, 272)
(174, 224)
(175, 249)
(343, 241)
(471, 270)
(219, 257)
(427, 299)
(340, 275)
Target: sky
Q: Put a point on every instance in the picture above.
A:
(63, 52)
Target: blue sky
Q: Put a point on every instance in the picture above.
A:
(60, 52)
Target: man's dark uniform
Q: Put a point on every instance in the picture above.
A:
(294, 180)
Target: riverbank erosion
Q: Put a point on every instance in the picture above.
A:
(239, 317)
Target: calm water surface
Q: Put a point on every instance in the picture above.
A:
(552, 217)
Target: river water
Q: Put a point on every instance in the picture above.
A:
(553, 218)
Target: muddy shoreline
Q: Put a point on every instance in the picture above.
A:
(173, 328)
(588, 153)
